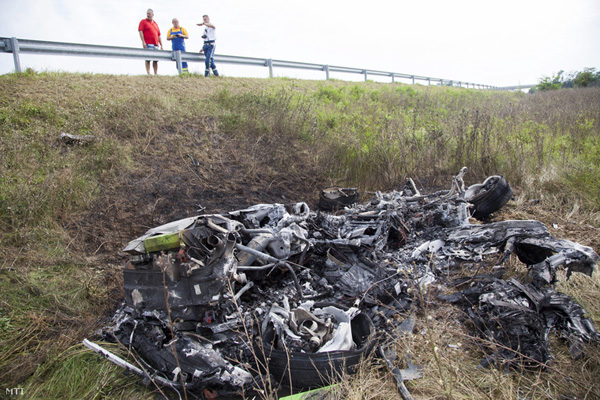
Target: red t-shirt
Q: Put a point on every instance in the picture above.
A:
(151, 31)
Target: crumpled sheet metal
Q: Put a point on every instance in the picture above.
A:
(199, 363)
(226, 275)
(532, 242)
(515, 319)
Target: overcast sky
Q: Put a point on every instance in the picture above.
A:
(496, 43)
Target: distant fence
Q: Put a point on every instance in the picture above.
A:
(18, 46)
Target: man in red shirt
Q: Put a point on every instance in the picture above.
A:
(150, 35)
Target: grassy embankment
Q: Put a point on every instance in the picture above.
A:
(66, 211)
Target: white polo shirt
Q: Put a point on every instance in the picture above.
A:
(210, 33)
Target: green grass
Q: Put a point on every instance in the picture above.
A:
(79, 374)
(66, 211)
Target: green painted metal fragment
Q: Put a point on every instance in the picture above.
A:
(162, 242)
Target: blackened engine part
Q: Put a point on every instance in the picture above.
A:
(516, 319)
(489, 196)
(150, 289)
(258, 243)
(180, 359)
(335, 198)
(569, 318)
(357, 280)
(310, 370)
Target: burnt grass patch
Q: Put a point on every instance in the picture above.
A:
(163, 192)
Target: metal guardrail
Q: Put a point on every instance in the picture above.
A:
(517, 87)
(18, 46)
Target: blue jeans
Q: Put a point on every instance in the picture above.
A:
(209, 53)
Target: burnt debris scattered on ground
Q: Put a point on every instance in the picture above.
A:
(278, 294)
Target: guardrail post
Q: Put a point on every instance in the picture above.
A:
(14, 46)
(413, 79)
(270, 65)
(392, 75)
(176, 55)
(365, 73)
(326, 68)
(429, 81)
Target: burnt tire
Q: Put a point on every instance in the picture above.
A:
(335, 198)
(491, 196)
(300, 370)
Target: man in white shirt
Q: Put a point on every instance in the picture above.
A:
(210, 36)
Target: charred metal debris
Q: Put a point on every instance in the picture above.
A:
(222, 301)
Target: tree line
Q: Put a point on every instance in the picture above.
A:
(589, 77)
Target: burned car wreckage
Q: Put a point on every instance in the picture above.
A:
(220, 301)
